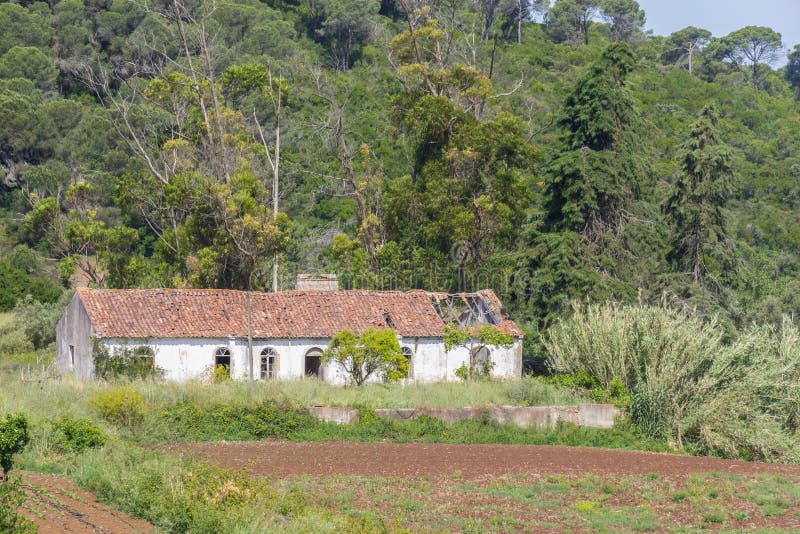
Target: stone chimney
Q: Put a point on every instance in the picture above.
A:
(317, 282)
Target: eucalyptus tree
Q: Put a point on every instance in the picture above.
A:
(684, 45)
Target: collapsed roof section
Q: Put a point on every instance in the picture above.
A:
(473, 309)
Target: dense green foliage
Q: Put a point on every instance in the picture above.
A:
(524, 147)
(375, 353)
(13, 439)
(124, 362)
(78, 434)
(685, 384)
(11, 521)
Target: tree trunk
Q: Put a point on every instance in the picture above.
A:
(275, 169)
(698, 251)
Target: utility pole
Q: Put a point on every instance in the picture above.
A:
(250, 338)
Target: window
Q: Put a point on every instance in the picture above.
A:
(222, 358)
(72, 355)
(269, 360)
(409, 354)
(313, 362)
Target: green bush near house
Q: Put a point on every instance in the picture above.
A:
(78, 434)
(122, 406)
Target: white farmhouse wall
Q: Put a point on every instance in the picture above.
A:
(431, 363)
(186, 359)
(74, 341)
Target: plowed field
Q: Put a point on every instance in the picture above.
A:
(498, 488)
(277, 458)
(54, 504)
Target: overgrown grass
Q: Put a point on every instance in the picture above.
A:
(181, 495)
(204, 412)
(565, 503)
(313, 392)
(185, 422)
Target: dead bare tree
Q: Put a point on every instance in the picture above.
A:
(276, 98)
(362, 186)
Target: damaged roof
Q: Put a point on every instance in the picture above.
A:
(218, 313)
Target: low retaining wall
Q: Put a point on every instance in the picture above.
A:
(332, 414)
(588, 415)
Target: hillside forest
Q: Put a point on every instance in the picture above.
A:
(554, 153)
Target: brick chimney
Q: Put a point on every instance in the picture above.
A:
(317, 282)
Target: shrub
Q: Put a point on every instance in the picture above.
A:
(122, 406)
(124, 362)
(736, 400)
(16, 284)
(77, 435)
(186, 421)
(13, 438)
(220, 374)
(11, 498)
(38, 320)
(14, 341)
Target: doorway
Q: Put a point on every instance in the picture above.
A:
(313, 362)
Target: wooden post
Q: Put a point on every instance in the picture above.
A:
(250, 339)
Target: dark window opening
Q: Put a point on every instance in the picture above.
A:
(313, 362)
(72, 355)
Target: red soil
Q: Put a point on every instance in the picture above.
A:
(279, 458)
(54, 504)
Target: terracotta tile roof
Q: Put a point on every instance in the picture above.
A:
(215, 313)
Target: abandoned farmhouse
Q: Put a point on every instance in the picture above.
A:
(190, 331)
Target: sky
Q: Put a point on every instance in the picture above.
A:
(721, 17)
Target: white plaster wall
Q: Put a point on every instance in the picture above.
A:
(432, 364)
(186, 359)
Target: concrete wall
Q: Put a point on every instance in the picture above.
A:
(332, 414)
(74, 341)
(588, 415)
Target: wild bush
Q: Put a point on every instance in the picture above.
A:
(124, 362)
(220, 374)
(737, 400)
(14, 341)
(186, 421)
(77, 434)
(14, 437)
(38, 320)
(123, 406)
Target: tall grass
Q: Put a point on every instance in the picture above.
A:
(737, 400)
(304, 392)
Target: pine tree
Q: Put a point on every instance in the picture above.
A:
(696, 208)
(598, 169)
